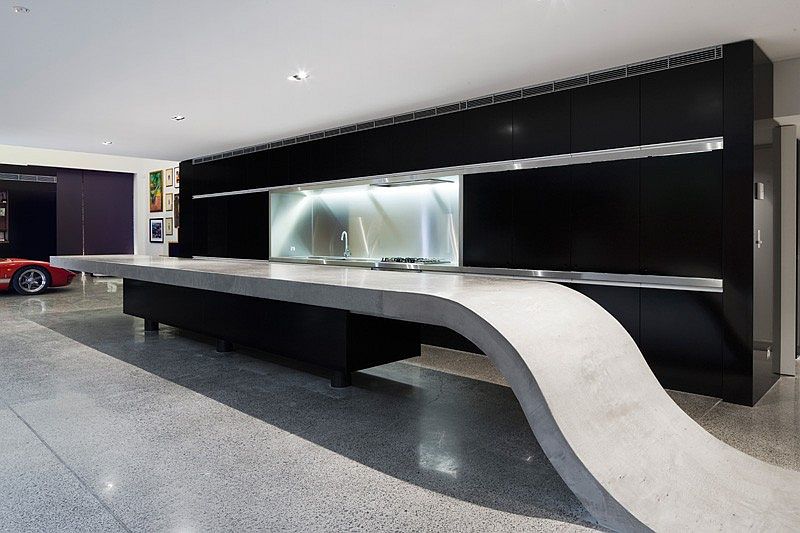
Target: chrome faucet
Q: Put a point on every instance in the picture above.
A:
(346, 245)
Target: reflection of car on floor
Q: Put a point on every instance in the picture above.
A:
(31, 277)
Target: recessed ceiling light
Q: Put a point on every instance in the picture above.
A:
(177, 118)
(21, 10)
(300, 75)
(108, 142)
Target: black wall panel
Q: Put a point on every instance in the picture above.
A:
(681, 215)
(488, 219)
(411, 146)
(681, 337)
(605, 217)
(541, 218)
(682, 103)
(446, 139)
(606, 115)
(542, 125)
(32, 220)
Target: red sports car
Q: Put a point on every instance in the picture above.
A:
(31, 277)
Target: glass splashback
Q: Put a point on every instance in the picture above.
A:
(408, 219)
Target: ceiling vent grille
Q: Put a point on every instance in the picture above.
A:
(27, 177)
(634, 69)
(570, 83)
(608, 75)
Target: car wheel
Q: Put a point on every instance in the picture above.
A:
(30, 280)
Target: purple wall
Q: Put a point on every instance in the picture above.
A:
(68, 202)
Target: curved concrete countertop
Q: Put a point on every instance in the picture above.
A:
(629, 453)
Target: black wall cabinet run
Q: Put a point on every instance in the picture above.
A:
(542, 125)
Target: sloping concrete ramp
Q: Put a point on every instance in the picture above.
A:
(632, 456)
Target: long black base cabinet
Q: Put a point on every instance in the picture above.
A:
(334, 340)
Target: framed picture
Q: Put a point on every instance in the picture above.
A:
(168, 202)
(168, 230)
(156, 191)
(168, 178)
(177, 210)
(177, 172)
(156, 230)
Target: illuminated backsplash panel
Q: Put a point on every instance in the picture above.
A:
(409, 219)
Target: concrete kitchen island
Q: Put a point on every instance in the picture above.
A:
(634, 459)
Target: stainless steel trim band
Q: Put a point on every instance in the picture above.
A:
(577, 158)
(584, 278)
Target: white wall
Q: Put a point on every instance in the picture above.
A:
(19, 155)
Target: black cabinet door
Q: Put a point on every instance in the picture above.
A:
(606, 115)
(605, 217)
(681, 220)
(682, 103)
(346, 151)
(487, 134)
(445, 140)
(488, 220)
(224, 175)
(541, 218)
(248, 226)
(681, 339)
(411, 145)
(621, 302)
(542, 125)
(377, 150)
(278, 167)
(256, 169)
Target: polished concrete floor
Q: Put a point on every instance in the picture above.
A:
(104, 427)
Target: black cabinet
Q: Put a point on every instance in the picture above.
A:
(411, 146)
(487, 134)
(605, 217)
(542, 125)
(605, 115)
(488, 219)
(681, 338)
(218, 223)
(256, 169)
(377, 148)
(681, 221)
(541, 218)
(682, 103)
(445, 141)
(621, 302)
(278, 167)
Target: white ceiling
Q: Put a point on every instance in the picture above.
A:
(75, 73)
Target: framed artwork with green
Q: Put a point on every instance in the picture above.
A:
(156, 191)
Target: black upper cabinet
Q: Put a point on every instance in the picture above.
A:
(541, 218)
(605, 217)
(445, 141)
(377, 150)
(278, 167)
(682, 103)
(410, 140)
(487, 134)
(256, 168)
(345, 155)
(542, 125)
(248, 211)
(682, 215)
(488, 219)
(605, 115)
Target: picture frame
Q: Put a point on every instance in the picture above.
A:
(168, 202)
(156, 187)
(157, 230)
(177, 172)
(168, 177)
(168, 227)
(176, 210)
